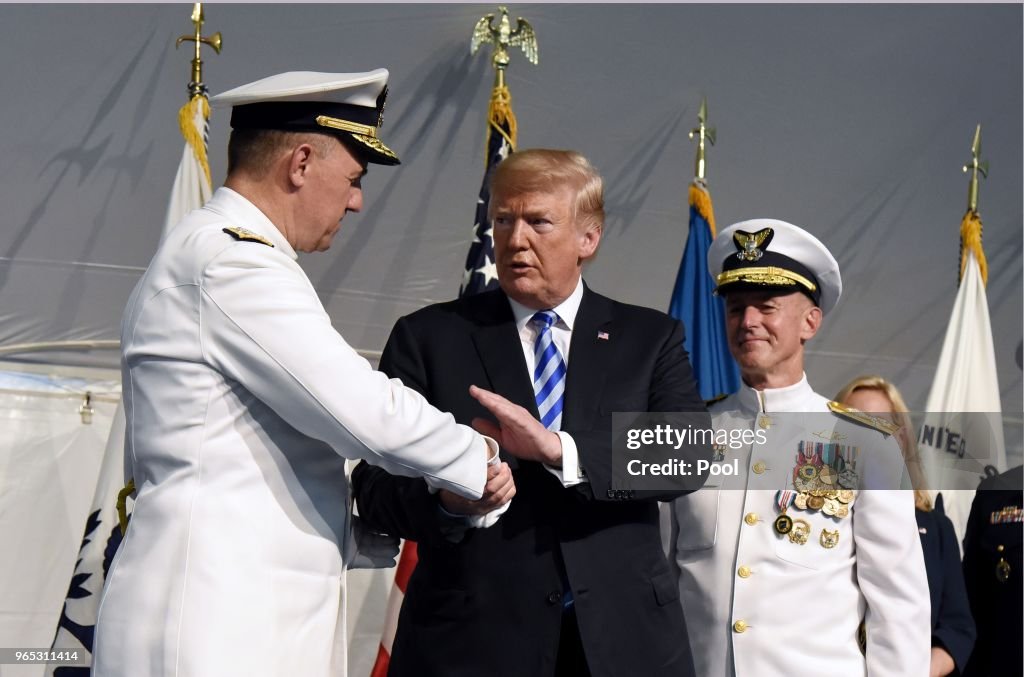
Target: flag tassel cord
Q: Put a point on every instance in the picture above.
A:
(193, 135)
(700, 200)
(970, 242)
(500, 116)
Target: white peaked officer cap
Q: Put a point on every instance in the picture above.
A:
(767, 254)
(347, 105)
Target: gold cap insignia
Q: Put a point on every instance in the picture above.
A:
(750, 245)
(380, 111)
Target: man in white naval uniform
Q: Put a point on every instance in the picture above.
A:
(243, 403)
(806, 562)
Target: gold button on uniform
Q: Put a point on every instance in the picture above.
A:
(764, 422)
(740, 626)
(744, 571)
(760, 467)
(751, 518)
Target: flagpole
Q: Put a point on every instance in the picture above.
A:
(961, 438)
(480, 273)
(693, 299)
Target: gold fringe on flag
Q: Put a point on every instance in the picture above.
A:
(701, 200)
(193, 136)
(970, 241)
(500, 116)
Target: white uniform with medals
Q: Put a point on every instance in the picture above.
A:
(758, 603)
(242, 404)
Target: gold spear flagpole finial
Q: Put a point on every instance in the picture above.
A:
(975, 166)
(196, 86)
(503, 36)
(704, 136)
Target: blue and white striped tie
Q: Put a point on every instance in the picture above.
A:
(549, 374)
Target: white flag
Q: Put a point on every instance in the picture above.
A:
(961, 440)
(102, 532)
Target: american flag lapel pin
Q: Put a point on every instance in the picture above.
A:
(602, 336)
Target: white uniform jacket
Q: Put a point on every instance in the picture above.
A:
(758, 603)
(242, 404)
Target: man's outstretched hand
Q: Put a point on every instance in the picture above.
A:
(517, 432)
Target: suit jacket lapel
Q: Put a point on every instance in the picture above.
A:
(501, 353)
(591, 350)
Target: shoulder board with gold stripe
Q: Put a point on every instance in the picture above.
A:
(880, 424)
(243, 235)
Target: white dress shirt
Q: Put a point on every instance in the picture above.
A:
(561, 335)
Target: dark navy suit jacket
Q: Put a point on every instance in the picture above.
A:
(952, 624)
(492, 603)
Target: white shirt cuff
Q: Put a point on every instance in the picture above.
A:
(571, 473)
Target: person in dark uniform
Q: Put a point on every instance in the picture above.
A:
(992, 571)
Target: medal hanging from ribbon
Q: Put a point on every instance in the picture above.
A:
(783, 523)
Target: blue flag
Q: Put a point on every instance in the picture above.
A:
(701, 312)
(480, 273)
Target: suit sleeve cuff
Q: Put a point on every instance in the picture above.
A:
(571, 473)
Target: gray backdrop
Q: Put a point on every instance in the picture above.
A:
(852, 121)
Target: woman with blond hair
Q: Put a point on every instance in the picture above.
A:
(953, 629)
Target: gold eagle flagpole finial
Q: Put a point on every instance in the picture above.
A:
(502, 37)
(705, 135)
(975, 166)
(196, 86)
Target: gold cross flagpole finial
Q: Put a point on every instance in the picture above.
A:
(502, 36)
(704, 136)
(975, 166)
(196, 86)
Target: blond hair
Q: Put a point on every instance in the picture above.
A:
(905, 435)
(543, 170)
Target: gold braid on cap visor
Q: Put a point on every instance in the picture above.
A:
(365, 134)
(765, 275)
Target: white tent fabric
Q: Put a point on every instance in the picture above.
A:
(851, 120)
(49, 462)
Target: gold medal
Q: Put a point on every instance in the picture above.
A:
(801, 501)
(808, 472)
(815, 502)
(1002, 571)
(827, 475)
(843, 511)
(1002, 567)
(783, 524)
(829, 539)
(801, 529)
(831, 507)
(848, 479)
(845, 495)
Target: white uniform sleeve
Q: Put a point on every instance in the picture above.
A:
(262, 324)
(892, 578)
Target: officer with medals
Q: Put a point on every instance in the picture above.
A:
(808, 562)
(994, 574)
(242, 404)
